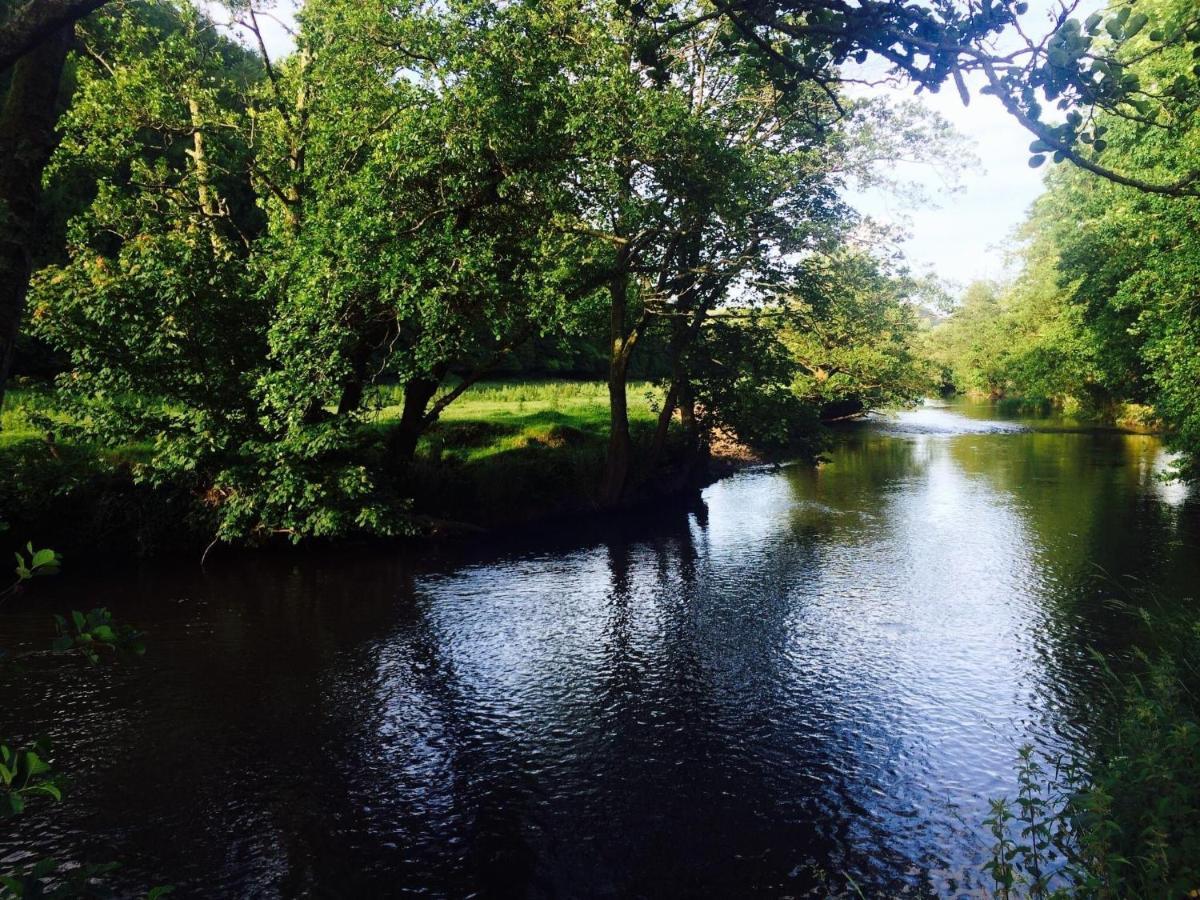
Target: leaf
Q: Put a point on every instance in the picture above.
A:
(43, 558)
(34, 764)
(1035, 161)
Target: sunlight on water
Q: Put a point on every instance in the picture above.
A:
(1169, 490)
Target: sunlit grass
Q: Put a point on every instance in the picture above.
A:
(19, 424)
(490, 418)
(495, 417)
(20, 405)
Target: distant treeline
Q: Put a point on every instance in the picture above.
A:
(1104, 315)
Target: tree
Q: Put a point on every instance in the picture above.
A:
(1102, 313)
(1084, 68)
(155, 289)
(853, 348)
(697, 175)
(427, 223)
(35, 37)
(26, 141)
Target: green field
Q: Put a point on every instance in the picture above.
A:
(497, 417)
(19, 404)
(513, 412)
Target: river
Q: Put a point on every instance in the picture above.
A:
(803, 679)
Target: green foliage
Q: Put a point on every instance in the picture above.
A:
(38, 562)
(1126, 821)
(151, 306)
(95, 636)
(744, 383)
(24, 775)
(854, 345)
(414, 194)
(318, 481)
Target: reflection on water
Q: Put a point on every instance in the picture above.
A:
(810, 673)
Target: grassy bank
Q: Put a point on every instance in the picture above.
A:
(1135, 418)
(494, 418)
(504, 453)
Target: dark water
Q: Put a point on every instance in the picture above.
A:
(805, 677)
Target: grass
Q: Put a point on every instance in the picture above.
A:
(499, 417)
(20, 403)
(509, 452)
(24, 405)
(514, 411)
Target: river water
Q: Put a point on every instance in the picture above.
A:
(802, 681)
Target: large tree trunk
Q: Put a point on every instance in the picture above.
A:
(26, 141)
(352, 394)
(39, 21)
(695, 452)
(413, 419)
(620, 444)
(354, 386)
(617, 460)
(679, 394)
(680, 397)
(659, 445)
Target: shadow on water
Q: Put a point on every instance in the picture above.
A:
(806, 675)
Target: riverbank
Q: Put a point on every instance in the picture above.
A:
(506, 454)
(1131, 418)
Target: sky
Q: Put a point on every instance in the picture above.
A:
(960, 236)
